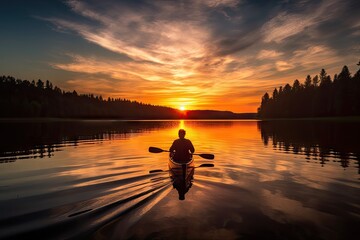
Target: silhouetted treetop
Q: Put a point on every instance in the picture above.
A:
(316, 97)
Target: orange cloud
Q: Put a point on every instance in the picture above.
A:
(176, 58)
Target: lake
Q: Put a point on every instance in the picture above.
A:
(90, 179)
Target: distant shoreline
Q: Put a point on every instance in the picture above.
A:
(347, 118)
(45, 119)
(115, 119)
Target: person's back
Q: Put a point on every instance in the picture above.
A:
(181, 148)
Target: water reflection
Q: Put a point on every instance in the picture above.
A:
(97, 183)
(320, 141)
(182, 177)
(39, 139)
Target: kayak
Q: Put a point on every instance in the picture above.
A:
(181, 175)
(182, 172)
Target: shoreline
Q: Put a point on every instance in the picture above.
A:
(335, 119)
(46, 119)
(118, 120)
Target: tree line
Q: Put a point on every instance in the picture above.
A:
(38, 99)
(22, 98)
(318, 96)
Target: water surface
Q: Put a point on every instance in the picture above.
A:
(90, 179)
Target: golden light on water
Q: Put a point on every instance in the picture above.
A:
(181, 124)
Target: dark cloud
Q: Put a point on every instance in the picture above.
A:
(232, 45)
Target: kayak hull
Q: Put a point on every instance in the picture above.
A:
(182, 175)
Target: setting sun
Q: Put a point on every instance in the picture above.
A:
(182, 108)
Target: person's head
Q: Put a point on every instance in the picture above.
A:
(182, 133)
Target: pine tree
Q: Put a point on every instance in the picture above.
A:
(315, 81)
(308, 82)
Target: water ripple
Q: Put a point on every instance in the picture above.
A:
(96, 183)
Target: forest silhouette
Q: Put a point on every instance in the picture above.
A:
(318, 96)
(22, 98)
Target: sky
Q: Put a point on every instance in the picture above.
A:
(194, 54)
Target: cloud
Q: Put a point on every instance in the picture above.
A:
(283, 66)
(283, 26)
(202, 52)
(287, 24)
(147, 83)
(268, 54)
(124, 30)
(219, 3)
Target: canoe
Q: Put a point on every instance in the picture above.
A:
(181, 175)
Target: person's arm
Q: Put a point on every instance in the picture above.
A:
(191, 147)
(172, 148)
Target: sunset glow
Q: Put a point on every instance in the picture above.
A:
(220, 55)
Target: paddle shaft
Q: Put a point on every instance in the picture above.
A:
(201, 166)
(191, 154)
(203, 155)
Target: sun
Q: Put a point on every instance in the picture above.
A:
(182, 108)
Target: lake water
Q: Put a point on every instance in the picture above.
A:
(90, 179)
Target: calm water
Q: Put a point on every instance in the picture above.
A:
(90, 179)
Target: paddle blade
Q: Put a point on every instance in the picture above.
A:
(206, 165)
(207, 156)
(155, 150)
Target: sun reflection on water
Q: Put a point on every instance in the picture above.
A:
(105, 173)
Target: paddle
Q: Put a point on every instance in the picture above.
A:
(201, 166)
(159, 150)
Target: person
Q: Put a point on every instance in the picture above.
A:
(182, 148)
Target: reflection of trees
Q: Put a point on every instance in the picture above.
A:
(320, 141)
(23, 140)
